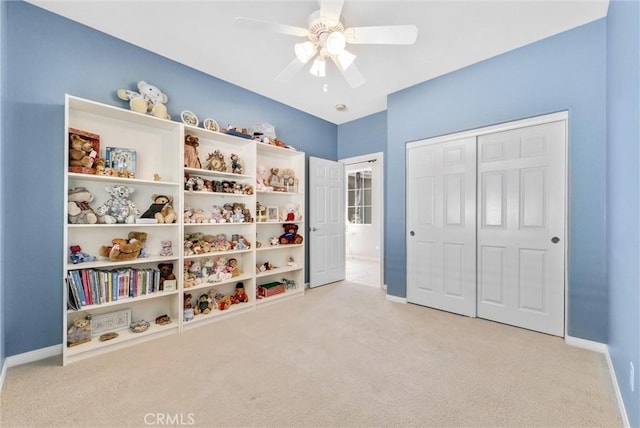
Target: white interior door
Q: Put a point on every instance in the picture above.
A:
(441, 216)
(521, 227)
(327, 222)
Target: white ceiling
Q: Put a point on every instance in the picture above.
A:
(451, 35)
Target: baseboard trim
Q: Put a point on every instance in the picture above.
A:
(3, 373)
(603, 349)
(586, 344)
(31, 356)
(396, 299)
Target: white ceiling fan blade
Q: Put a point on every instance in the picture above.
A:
(331, 9)
(290, 70)
(352, 75)
(258, 24)
(383, 35)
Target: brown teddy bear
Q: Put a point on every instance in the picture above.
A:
(79, 332)
(166, 273)
(121, 249)
(81, 152)
(290, 235)
(161, 209)
(191, 159)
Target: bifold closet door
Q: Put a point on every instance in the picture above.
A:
(441, 222)
(521, 227)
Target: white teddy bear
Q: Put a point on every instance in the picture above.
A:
(150, 100)
(119, 208)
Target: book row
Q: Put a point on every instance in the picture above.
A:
(97, 286)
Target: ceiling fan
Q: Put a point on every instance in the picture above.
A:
(327, 39)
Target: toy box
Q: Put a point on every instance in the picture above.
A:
(271, 289)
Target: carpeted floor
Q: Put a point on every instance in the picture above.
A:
(341, 356)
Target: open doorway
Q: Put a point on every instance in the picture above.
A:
(364, 232)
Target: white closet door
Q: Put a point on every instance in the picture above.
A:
(521, 227)
(441, 212)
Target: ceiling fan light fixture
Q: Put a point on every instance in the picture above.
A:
(318, 68)
(304, 51)
(335, 43)
(345, 59)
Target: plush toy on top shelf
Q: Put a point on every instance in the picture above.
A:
(150, 100)
(80, 210)
(161, 209)
(119, 208)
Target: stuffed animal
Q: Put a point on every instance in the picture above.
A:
(78, 256)
(224, 302)
(240, 296)
(187, 307)
(166, 249)
(121, 250)
(119, 208)
(166, 273)
(260, 183)
(236, 166)
(139, 237)
(81, 152)
(275, 180)
(290, 235)
(149, 100)
(204, 305)
(291, 213)
(79, 332)
(79, 208)
(191, 159)
(161, 209)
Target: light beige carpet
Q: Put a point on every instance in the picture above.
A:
(341, 356)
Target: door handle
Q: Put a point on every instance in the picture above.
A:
(313, 229)
(555, 239)
(412, 233)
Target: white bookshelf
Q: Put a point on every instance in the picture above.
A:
(159, 147)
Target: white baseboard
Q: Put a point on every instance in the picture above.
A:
(586, 344)
(396, 299)
(27, 357)
(3, 373)
(603, 349)
(31, 356)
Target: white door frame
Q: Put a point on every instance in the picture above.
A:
(378, 157)
(507, 126)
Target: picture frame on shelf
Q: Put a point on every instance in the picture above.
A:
(273, 213)
(111, 321)
(122, 161)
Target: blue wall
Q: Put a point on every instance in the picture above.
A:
(49, 56)
(623, 195)
(3, 86)
(363, 136)
(563, 72)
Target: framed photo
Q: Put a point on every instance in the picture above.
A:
(211, 125)
(272, 213)
(112, 321)
(121, 161)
